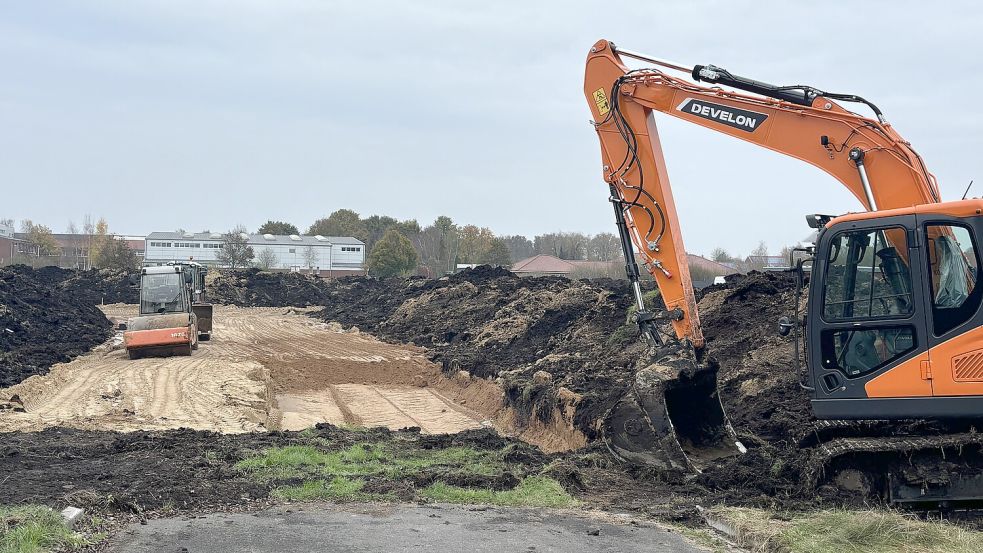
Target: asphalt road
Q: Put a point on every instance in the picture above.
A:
(397, 528)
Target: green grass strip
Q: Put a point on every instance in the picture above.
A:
(535, 491)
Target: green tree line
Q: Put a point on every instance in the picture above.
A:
(397, 247)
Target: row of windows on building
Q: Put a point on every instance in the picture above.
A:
(184, 245)
(219, 246)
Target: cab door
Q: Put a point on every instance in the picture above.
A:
(867, 327)
(952, 301)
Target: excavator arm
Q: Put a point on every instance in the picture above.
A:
(671, 415)
(866, 155)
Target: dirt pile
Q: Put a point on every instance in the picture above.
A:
(254, 288)
(758, 383)
(491, 323)
(47, 316)
(91, 287)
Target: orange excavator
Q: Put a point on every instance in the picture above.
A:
(893, 323)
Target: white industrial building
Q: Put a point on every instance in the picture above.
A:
(327, 255)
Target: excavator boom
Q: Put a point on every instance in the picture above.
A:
(866, 155)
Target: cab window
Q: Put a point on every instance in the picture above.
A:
(867, 276)
(953, 271)
(856, 352)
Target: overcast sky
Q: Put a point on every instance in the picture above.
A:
(204, 114)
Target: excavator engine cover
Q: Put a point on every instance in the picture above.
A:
(671, 418)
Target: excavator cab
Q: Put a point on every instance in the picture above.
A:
(894, 330)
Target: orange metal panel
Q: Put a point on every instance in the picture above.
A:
(953, 365)
(905, 380)
(158, 337)
(958, 208)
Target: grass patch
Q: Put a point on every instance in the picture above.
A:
(534, 491)
(842, 531)
(35, 529)
(341, 475)
(366, 459)
(623, 334)
(338, 488)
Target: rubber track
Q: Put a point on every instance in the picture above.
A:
(822, 455)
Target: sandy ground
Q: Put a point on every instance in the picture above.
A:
(264, 369)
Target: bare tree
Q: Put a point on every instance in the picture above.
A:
(88, 232)
(519, 247)
(720, 255)
(75, 242)
(437, 245)
(267, 259)
(761, 250)
(757, 259)
(310, 257)
(235, 251)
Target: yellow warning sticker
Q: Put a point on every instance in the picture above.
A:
(601, 100)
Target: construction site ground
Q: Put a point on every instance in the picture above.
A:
(480, 381)
(265, 369)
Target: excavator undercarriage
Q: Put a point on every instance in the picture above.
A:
(910, 463)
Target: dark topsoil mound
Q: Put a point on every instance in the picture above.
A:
(48, 316)
(253, 288)
(491, 323)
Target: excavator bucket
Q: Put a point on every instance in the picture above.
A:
(671, 418)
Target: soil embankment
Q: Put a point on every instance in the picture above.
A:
(254, 288)
(550, 342)
(557, 345)
(48, 316)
